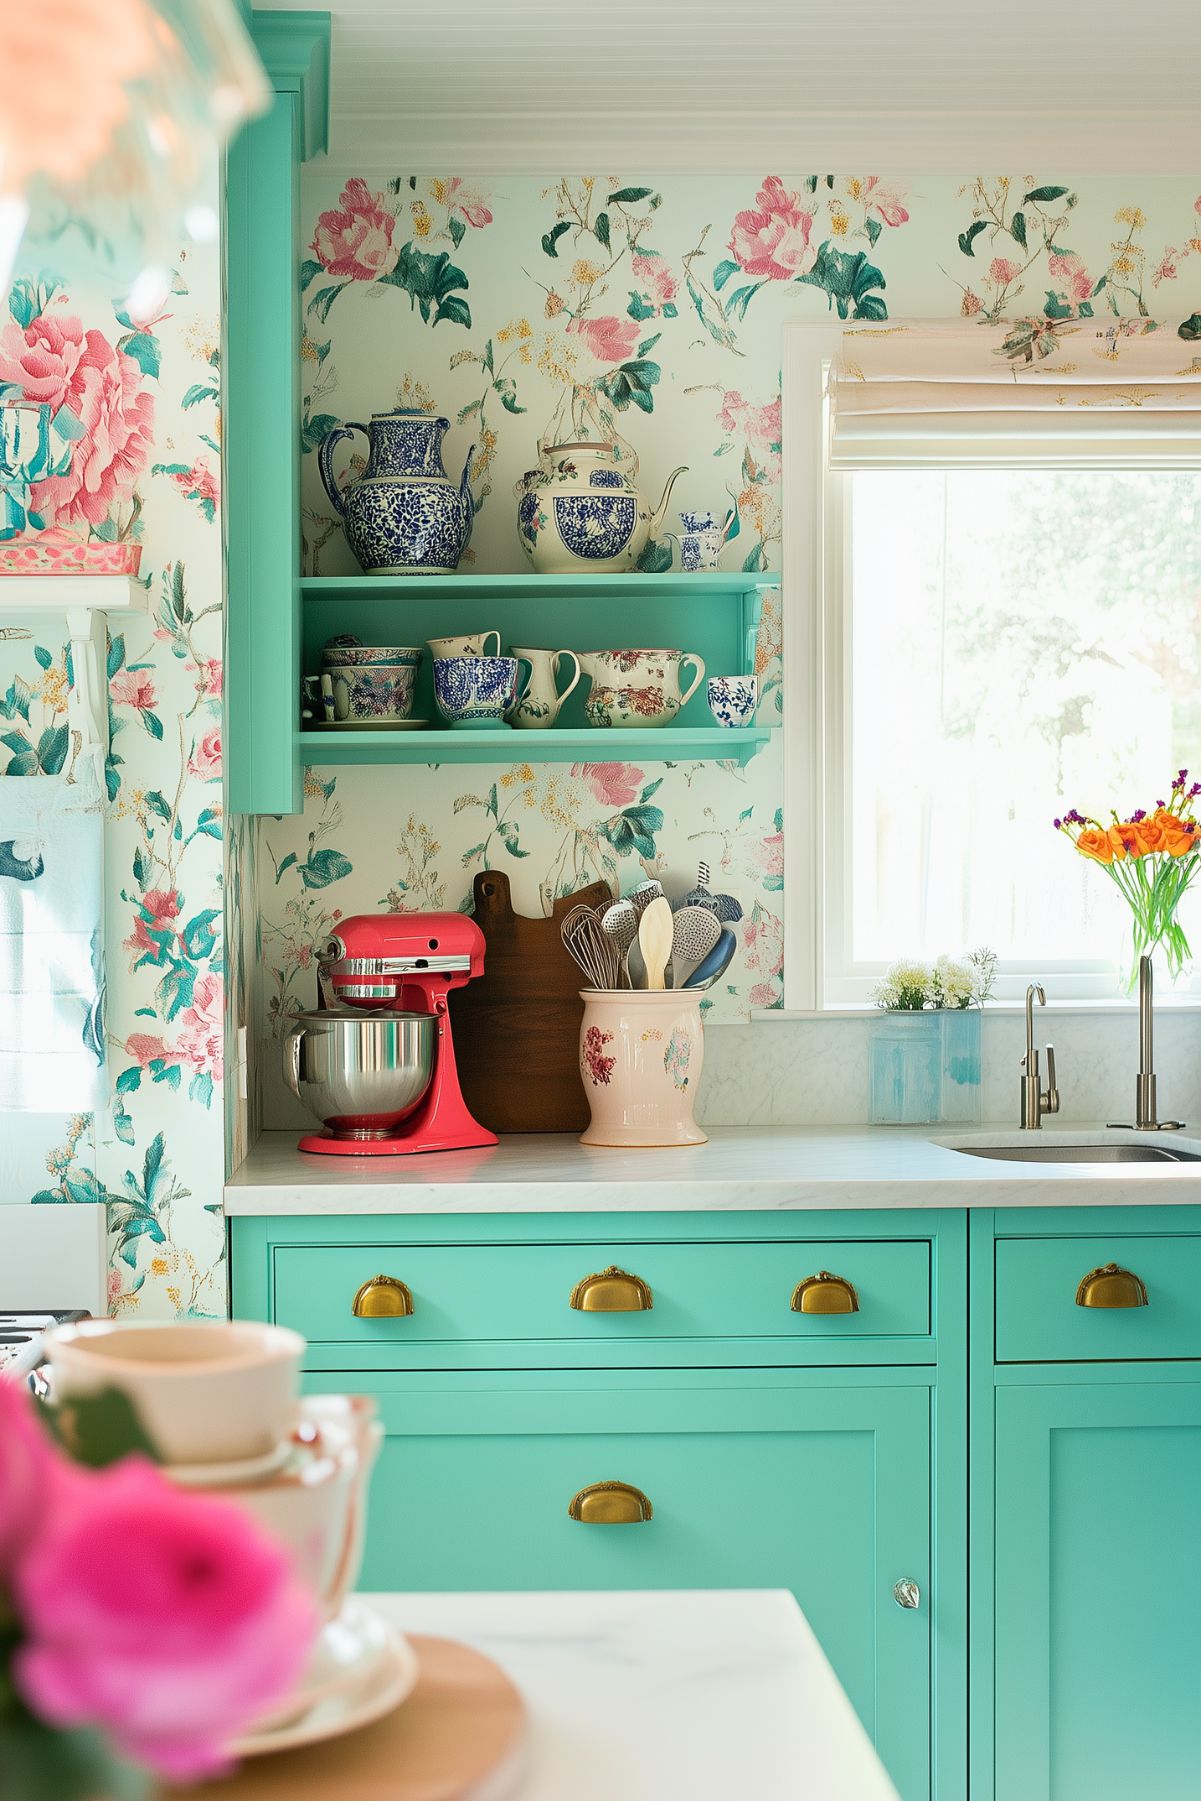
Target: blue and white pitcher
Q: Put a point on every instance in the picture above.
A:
(403, 516)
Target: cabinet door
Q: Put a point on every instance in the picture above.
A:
(762, 1484)
(1098, 1592)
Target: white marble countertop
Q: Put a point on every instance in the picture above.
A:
(739, 1169)
(705, 1694)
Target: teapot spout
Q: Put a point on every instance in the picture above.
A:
(657, 515)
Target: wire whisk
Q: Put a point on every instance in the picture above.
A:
(591, 949)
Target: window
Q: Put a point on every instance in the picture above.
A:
(992, 645)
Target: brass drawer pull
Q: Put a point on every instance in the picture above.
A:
(612, 1290)
(825, 1293)
(1111, 1286)
(383, 1297)
(906, 1592)
(610, 1504)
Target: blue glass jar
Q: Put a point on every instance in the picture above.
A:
(925, 1068)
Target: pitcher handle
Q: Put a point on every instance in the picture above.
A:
(557, 659)
(325, 462)
(523, 692)
(292, 1060)
(690, 656)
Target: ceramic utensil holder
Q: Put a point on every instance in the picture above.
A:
(641, 1055)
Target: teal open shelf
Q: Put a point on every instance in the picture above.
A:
(582, 744)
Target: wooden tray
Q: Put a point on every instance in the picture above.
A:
(457, 1736)
(517, 1028)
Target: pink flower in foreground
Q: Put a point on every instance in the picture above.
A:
(202, 1029)
(172, 1651)
(654, 274)
(609, 339)
(1002, 271)
(56, 363)
(615, 784)
(354, 239)
(772, 238)
(470, 206)
(133, 688)
(205, 760)
(28, 1470)
(1068, 268)
(879, 197)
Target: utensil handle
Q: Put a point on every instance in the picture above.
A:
(690, 656)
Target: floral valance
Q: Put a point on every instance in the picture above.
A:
(1064, 390)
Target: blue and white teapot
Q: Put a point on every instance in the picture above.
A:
(579, 512)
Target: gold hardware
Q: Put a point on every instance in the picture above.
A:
(1111, 1286)
(906, 1592)
(612, 1290)
(383, 1297)
(610, 1504)
(825, 1293)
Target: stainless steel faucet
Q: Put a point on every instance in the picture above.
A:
(1144, 1088)
(1035, 1100)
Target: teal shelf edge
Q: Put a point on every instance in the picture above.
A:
(672, 744)
(675, 585)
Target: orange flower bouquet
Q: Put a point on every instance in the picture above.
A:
(1151, 858)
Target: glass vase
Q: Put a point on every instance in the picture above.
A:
(925, 1068)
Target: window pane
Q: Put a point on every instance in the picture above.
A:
(1021, 642)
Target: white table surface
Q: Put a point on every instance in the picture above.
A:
(685, 1695)
(745, 1167)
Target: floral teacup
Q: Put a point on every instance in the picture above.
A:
(733, 698)
(371, 691)
(465, 647)
(637, 687)
(473, 693)
(702, 537)
(338, 655)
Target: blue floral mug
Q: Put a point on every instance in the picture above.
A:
(473, 693)
(733, 698)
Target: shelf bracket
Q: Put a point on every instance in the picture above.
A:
(87, 706)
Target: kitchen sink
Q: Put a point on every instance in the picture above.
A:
(1078, 1153)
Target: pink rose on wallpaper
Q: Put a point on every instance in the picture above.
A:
(610, 340)
(1068, 269)
(145, 1048)
(201, 1027)
(172, 1651)
(1166, 269)
(772, 238)
(133, 688)
(653, 274)
(354, 240)
(888, 202)
(769, 854)
(54, 362)
(763, 954)
(458, 198)
(761, 426)
(210, 675)
(198, 483)
(1002, 271)
(614, 784)
(162, 905)
(205, 760)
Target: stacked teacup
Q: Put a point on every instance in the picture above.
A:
(218, 1400)
(369, 684)
(474, 691)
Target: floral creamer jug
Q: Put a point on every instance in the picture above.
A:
(579, 511)
(403, 516)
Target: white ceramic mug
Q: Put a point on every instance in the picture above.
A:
(465, 647)
(205, 1391)
(539, 705)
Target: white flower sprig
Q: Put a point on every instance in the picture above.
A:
(951, 983)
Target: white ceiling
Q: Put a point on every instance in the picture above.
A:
(923, 87)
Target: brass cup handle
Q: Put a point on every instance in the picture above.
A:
(824, 1293)
(906, 1592)
(610, 1504)
(383, 1297)
(1111, 1286)
(612, 1290)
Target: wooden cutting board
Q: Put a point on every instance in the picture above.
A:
(517, 1027)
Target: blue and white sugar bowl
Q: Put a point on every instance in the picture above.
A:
(473, 693)
(733, 698)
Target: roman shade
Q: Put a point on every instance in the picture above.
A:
(1064, 393)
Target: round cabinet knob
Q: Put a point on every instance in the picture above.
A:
(612, 1290)
(610, 1504)
(906, 1593)
(825, 1293)
(383, 1297)
(1111, 1286)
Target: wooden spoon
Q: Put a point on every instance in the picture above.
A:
(654, 941)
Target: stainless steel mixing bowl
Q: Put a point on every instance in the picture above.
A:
(360, 1074)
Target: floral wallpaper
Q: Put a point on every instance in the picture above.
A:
(145, 470)
(648, 313)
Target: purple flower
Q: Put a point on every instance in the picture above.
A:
(1161, 804)
(1058, 824)
(1195, 789)
(1139, 813)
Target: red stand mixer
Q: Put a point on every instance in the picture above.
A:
(376, 1061)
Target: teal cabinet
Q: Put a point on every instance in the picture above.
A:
(1098, 1589)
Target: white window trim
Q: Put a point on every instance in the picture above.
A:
(816, 622)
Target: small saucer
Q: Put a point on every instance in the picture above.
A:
(388, 1675)
(226, 1475)
(370, 725)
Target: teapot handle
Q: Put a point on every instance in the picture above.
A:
(325, 462)
(690, 656)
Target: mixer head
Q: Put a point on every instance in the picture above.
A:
(373, 958)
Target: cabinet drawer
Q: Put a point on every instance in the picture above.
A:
(1039, 1320)
(523, 1292)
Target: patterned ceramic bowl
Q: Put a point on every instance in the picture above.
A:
(733, 698)
(382, 691)
(359, 656)
(475, 691)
